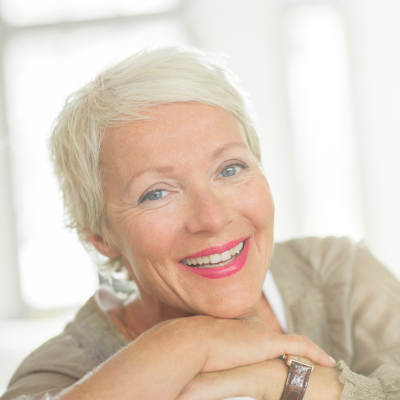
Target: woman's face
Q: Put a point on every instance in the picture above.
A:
(186, 183)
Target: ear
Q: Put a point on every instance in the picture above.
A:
(101, 245)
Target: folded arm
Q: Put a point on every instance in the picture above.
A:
(166, 358)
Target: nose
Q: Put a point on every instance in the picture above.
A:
(208, 212)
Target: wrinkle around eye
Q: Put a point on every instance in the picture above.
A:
(233, 163)
(146, 204)
(146, 197)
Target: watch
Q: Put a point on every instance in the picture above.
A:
(300, 369)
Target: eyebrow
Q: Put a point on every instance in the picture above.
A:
(168, 169)
(160, 170)
(222, 149)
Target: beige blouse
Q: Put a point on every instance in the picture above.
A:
(334, 291)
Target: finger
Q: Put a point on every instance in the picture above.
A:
(233, 343)
(303, 346)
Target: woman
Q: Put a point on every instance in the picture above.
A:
(159, 165)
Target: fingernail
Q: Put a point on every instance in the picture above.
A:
(332, 359)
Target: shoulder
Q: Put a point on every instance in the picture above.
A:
(315, 258)
(315, 278)
(85, 343)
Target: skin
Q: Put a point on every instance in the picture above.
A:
(186, 325)
(200, 209)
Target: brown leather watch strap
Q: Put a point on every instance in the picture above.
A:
(296, 382)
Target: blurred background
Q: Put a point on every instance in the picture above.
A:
(325, 82)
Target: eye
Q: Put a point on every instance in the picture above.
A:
(232, 170)
(154, 195)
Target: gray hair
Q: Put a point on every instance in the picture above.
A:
(117, 96)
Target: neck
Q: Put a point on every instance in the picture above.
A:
(146, 311)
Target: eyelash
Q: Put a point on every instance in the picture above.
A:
(145, 197)
(237, 164)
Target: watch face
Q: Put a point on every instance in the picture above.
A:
(299, 359)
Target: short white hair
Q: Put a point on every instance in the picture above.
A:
(117, 96)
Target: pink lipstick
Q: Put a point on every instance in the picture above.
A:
(225, 271)
(217, 249)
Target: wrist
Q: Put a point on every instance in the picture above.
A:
(277, 374)
(323, 384)
(274, 378)
(184, 340)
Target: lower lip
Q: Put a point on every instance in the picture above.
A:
(227, 270)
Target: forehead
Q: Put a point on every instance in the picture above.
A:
(175, 131)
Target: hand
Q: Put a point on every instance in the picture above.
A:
(172, 353)
(261, 381)
(253, 341)
(251, 380)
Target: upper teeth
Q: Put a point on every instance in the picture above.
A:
(214, 258)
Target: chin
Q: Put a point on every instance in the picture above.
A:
(233, 309)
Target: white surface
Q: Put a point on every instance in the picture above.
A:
(272, 294)
(374, 31)
(320, 104)
(26, 12)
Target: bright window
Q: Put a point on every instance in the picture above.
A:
(43, 66)
(321, 114)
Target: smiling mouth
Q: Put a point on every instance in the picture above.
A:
(215, 260)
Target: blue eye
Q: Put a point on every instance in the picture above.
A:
(155, 195)
(231, 170)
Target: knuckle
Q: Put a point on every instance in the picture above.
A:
(308, 344)
(277, 347)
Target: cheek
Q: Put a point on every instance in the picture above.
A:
(149, 239)
(256, 203)
(151, 236)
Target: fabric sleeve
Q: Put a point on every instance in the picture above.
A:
(383, 384)
(86, 342)
(57, 364)
(40, 386)
(374, 372)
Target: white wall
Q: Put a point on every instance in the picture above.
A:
(249, 32)
(374, 43)
(11, 304)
